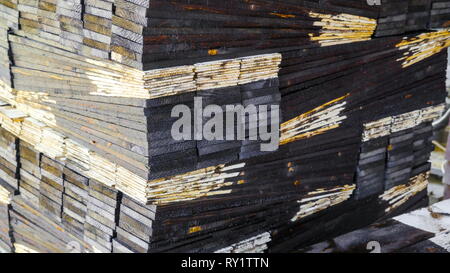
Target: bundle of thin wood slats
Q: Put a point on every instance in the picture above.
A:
(5, 75)
(6, 242)
(75, 201)
(412, 233)
(100, 223)
(88, 162)
(440, 14)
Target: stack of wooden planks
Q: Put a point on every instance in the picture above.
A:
(421, 231)
(75, 201)
(89, 163)
(6, 193)
(5, 75)
(439, 14)
(135, 227)
(101, 216)
(9, 163)
(51, 187)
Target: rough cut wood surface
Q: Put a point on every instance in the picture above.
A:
(88, 163)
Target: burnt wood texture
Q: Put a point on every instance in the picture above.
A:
(88, 162)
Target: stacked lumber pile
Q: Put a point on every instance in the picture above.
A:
(89, 162)
(9, 163)
(6, 193)
(440, 13)
(74, 202)
(51, 187)
(421, 231)
(100, 220)
(398, 17)
(5, 75)
(29, 173)
(134, 230)
(37, 231)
